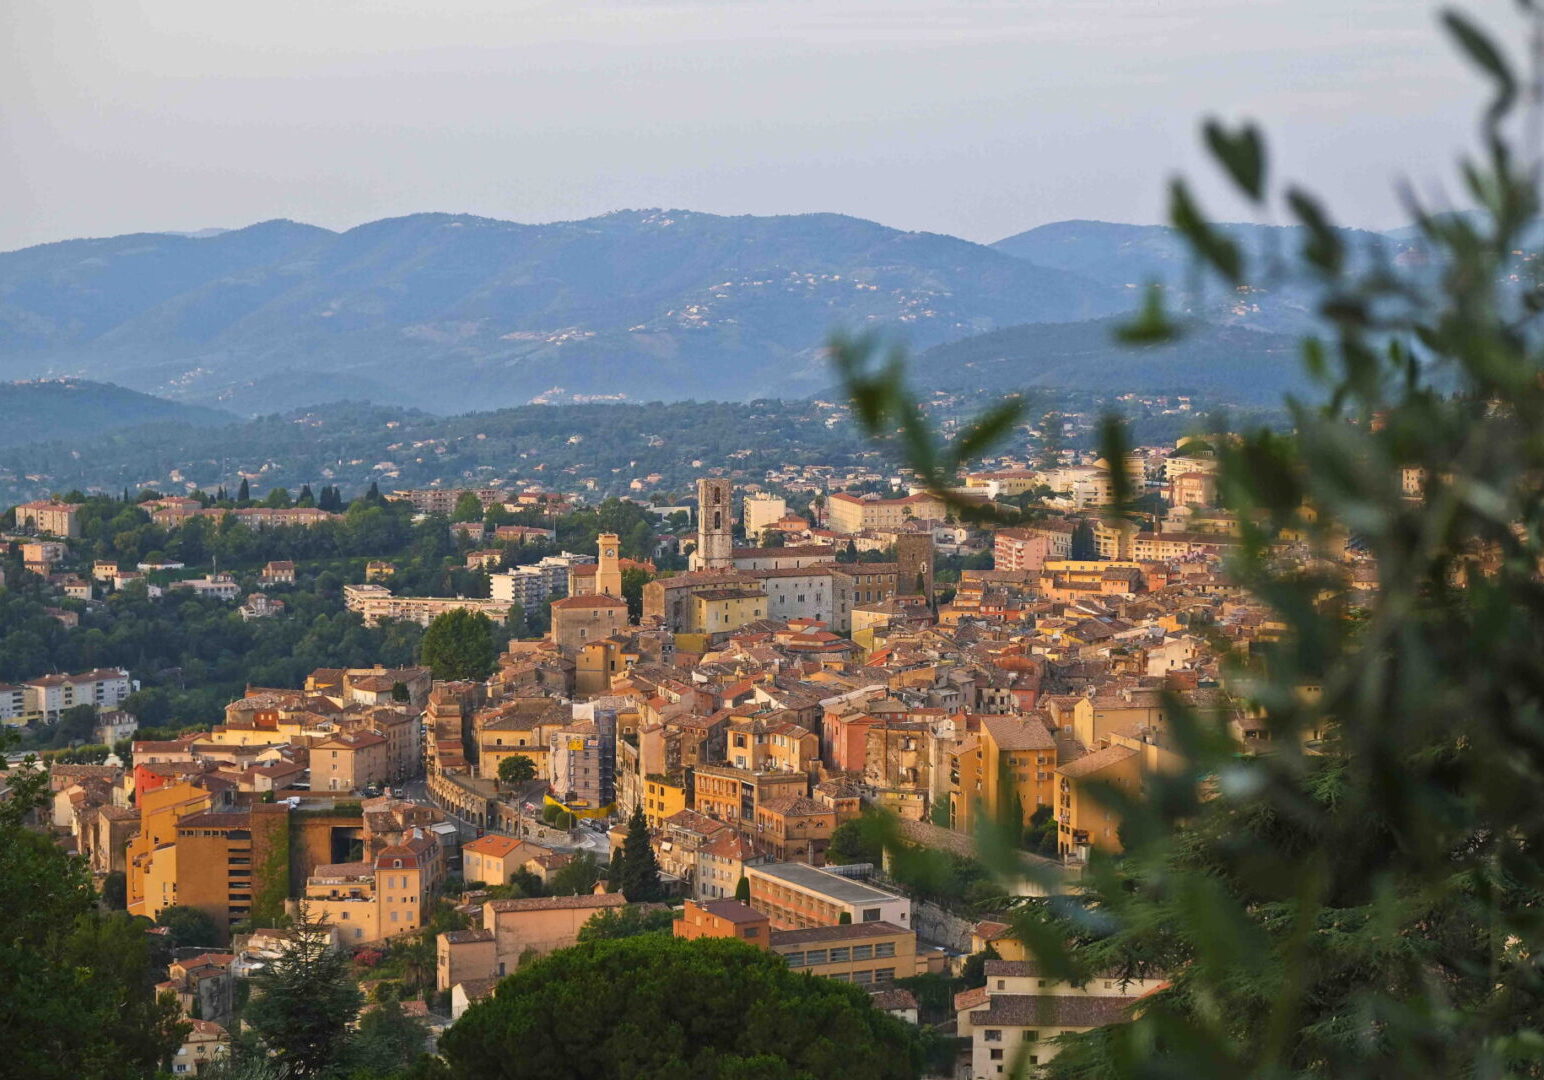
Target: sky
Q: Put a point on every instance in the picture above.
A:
(979, 118)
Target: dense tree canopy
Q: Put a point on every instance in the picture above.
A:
(459, 645)
(77, 990)
(659, 1008)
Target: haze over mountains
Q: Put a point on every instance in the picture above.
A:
(452, 313)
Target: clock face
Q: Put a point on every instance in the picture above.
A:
(611, 553)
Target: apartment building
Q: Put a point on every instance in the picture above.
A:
(796, 897)
(1020, 1012)
(376, 602)
(865, 954)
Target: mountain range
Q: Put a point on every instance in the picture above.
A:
(450, 312)
(76, 410)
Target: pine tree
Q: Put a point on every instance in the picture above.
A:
(244, 492)
(306, 1004)
(742, 890)
(640, 870)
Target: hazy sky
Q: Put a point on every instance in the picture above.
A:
(974, 117)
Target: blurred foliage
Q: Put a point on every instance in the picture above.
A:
(1363, 897)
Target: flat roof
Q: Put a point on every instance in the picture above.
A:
(843, 889)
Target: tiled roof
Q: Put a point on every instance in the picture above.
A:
(557, 903)
(1051, 1010)
(843, 932)
(1093, 762)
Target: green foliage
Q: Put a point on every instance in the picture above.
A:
(459, 645)
(973, 971)
(115, 891)
(630, 921)
(578, 877)
(77, 990)
(517, 769)
(742, 890)
(189, 926)
(468, 508)
(640, 870)
(1362, 899)
(304, 1003)
(855, 841)
(654, 1007)
(386, 1044)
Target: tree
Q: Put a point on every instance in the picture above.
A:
(655, 1006)
(516, 769)
(742, 890)
(459, 645)
(1366, 905)
(115, 891)
(387, 1042)
(854, 842)
(630, 921)
(576, 878)
(244, 492)
(77, 993)
(640, 869)
(304, 1002)
(190, 926)
(468, 508)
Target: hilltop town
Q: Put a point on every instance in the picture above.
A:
(732, 706)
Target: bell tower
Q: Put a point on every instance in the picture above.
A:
(715, 523)
(608, 575)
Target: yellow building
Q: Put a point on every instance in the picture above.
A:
(720, 611)
(662, 797)
(865, 954)
(1010, 756)
(379, 898)
(849, 513)
(1083, 822)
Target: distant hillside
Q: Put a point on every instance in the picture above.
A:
(1227, 361)
(452, 312)
(73, 409)
(1131, 256)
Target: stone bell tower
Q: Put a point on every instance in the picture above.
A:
(715, 523)
(608, 574)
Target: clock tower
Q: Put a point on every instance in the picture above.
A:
(608, 575)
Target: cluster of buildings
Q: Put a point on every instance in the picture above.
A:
(763, 698)
(45, 699)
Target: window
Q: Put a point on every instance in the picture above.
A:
(1002, 984)
(884, 949)
(862, 978)
(871, 914)
(838, 956)
(863, 952)
(1031, 1035)
(815, 956)
(795, 959)
(993, 1035)
(997, 1055)
(884, 974)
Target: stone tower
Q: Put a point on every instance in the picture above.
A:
(608, 575)
(715, 538)
(914, 571)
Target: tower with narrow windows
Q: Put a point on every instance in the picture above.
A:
(608, 574)
(715, 524)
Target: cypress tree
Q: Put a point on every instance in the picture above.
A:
(640, 870)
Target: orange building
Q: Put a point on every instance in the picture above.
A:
(723, 919)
